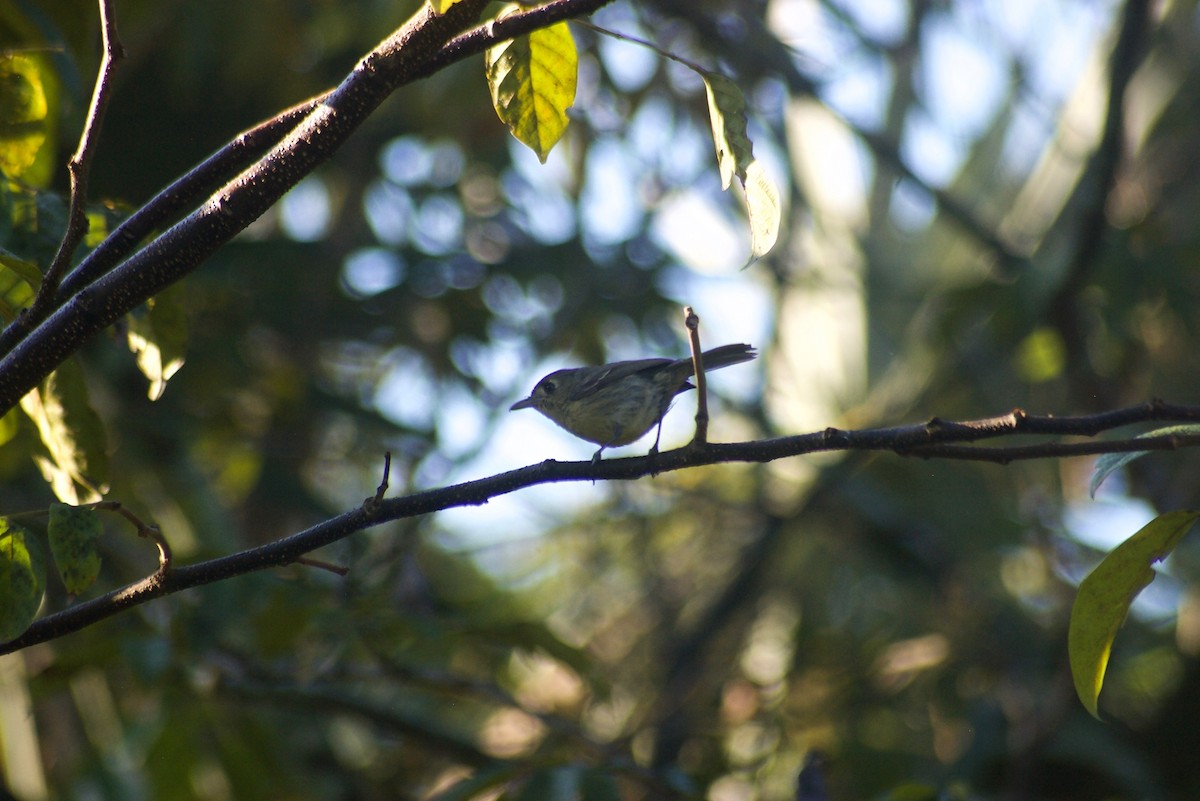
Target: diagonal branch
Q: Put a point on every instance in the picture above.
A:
(934, 439)
(423, 45)
(184, 193)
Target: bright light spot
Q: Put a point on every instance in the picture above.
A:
(406, 161)
(541, 209)
(629, 65)
(692, 228)
(460, 421)
(389, 210)
(446, 163)
(809, 28)
(305, 211)
(831, 164)
(439, 225)
(963, 82)
(768, 655)
(731, 788)
(407, 393)
(611, 209)
(652, 127)
(859, 91)
(884, 21)
(369, 271)
(1106, 523)
(929, 150)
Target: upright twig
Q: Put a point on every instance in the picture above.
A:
(692, 321)
(80, 164)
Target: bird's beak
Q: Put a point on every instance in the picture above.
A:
(524, 403)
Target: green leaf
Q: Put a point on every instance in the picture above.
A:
(532, 80)
(22, 579)
(442, 6)
(26, 98)
(72, 433)
(1106, 594)
(1041, 356)
(159, 338)
(73, 532)
(735, 157)
(1110, 463)
(19, 280)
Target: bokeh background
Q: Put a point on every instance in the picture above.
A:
(988, 205)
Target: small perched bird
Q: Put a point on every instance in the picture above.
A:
(615, 404)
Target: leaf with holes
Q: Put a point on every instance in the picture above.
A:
(73, 532)
(1106, 594)
(532, 81)
(735, 157)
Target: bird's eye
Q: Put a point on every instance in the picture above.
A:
(548, 387)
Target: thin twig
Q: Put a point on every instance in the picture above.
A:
(625, 37)
(148, 530)
(381, 490)
(373, 502)
(320, 564)
(80, 164)
(692, 321)
(185, 192)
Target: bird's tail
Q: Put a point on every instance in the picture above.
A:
(726, 355)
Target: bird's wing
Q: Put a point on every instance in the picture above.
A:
(611, 373)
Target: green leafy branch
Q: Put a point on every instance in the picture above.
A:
(73, 534)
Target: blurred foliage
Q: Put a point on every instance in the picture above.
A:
(697, 635)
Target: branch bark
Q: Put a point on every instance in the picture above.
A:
(935, 439)
(100, 296)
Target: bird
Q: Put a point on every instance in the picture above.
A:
(616, 404)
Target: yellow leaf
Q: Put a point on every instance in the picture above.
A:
(532, 80)
(72, 433)
(27, 97)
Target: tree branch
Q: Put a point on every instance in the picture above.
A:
(422, 46)
(934, 439)
(80, 165)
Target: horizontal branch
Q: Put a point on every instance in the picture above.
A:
(935, 439)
